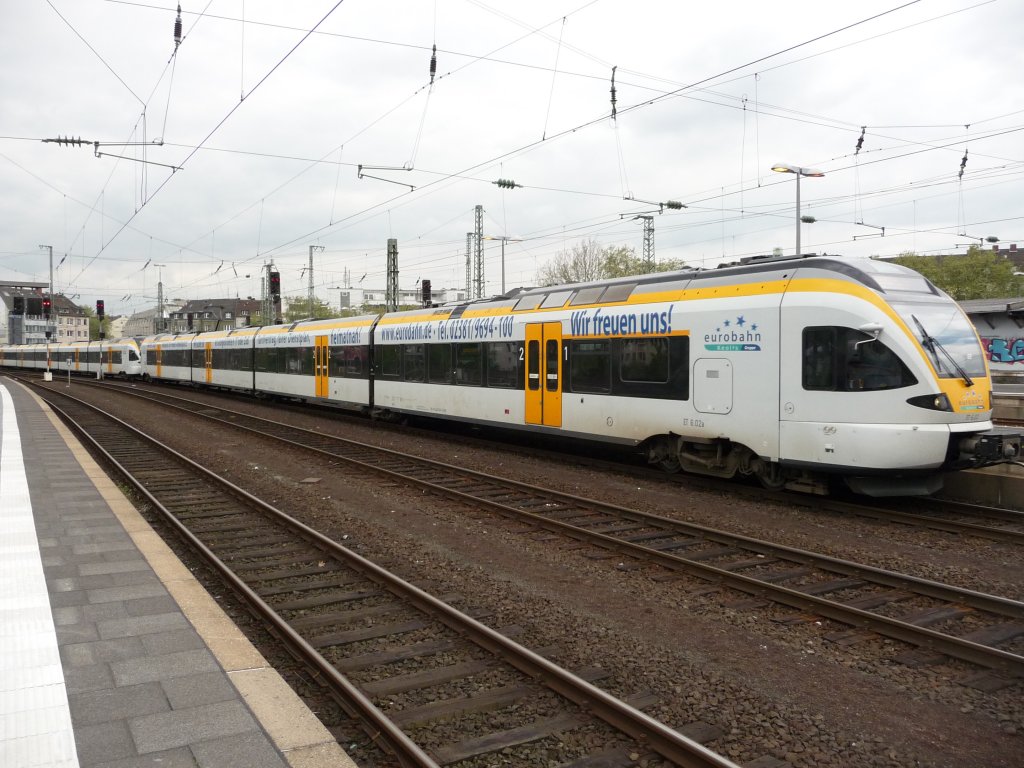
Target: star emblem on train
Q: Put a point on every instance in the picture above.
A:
(740, 321)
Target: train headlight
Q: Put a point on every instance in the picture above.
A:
(937, 402)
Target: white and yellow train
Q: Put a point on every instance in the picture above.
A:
(112, 357)
(791, 370)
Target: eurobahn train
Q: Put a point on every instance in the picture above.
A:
(113, 357)
(794, 371)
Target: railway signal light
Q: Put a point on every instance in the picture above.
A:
(275, 283)
(47, 306)
(426, 293)
(99, 308)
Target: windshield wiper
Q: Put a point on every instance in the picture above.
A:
(932, 344)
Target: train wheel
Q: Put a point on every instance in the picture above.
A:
(662, 452)
(770, 476)
(670, 464)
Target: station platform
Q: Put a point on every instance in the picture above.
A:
(111, 654)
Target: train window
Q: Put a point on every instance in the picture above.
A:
(533, 368)
(955, 349)
(528, 302)
(439, 363)
(133, 356)
(590, 366)
(298, 360)
(241, 359)
(414, 362)
(469, 364)
(503, 364)
(556, 299)
(266, 360)
(644, 360)
(909, 282)
(586, 296)
(390, 357)
(231, 359)
(348, 362)
(551, 353)
(618, 292)
(841, 359)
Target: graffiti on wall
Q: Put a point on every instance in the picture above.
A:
(1008, 351)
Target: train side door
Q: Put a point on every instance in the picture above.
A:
(78, 362)
(110, 359)
(208, 361)
(544, 374)
(321, 358)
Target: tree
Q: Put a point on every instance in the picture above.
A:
(588, 261)
(979, 274)
(582, 263)
(299, 309)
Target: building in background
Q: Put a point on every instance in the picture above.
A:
(69, 321)
(117, 325)
(21, 312)
(365, 299)
(146, 322)
(214, 315)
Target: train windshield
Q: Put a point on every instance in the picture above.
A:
(947, 335)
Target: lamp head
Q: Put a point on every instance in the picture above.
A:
(787, 168)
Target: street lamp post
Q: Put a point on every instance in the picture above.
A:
(504, 239)
(798, 171)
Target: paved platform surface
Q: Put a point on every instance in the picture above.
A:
(111, 654)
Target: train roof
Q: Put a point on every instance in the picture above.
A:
(879, 275)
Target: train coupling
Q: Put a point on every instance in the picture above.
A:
(994, 446)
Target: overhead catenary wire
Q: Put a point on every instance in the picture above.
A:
(222, 121)
(135, 128)
(476, 58)
(554, 74)
(339, 167)
(650, 102)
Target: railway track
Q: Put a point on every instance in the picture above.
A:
(956, 518)
(933, 617)
(431, 684)
(1003, 525)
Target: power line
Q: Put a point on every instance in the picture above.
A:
(216, 128)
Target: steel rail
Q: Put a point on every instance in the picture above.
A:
(867, 510)
(382, 729)
(952, 646)
(667, 742)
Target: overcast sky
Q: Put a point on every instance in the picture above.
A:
(267, 125)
